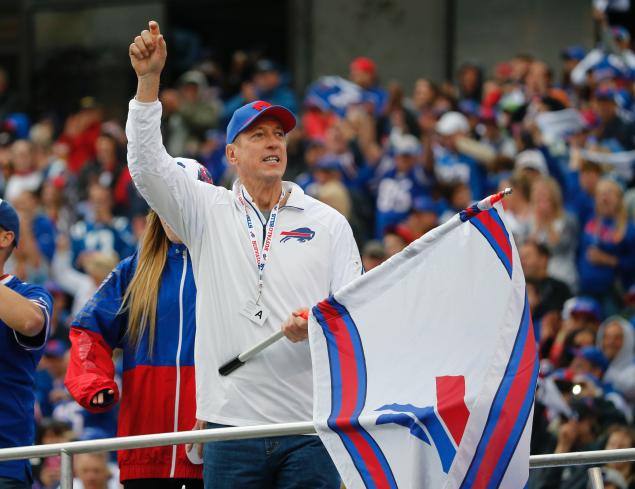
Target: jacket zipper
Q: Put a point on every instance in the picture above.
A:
(178, 362)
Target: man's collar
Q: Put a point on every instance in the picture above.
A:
(294, 195)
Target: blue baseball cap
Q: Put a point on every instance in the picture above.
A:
(249, 113)
(574, 52)
(594, 355)
(620, 33)
(328, 162)
(423, 203)
(582, 306)
(9, 219)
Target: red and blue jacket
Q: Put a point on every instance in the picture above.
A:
(158, 390)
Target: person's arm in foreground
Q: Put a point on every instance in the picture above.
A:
(166, 189)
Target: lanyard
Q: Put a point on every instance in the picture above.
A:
(261, 258)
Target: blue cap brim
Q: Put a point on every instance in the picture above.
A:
(282, 114)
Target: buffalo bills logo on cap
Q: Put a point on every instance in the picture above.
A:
(259, 105)
(301, 234)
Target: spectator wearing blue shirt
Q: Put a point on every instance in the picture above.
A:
(363, 72)
(101, 231)
(28, 206)
(24, 325)
(400, 185)
(450, 165)
(607, 247)
(581, 185)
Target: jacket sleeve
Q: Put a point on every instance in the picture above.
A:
(578, 74)
(168, 190)
(71, 280)
(346, 264)
(96, 331)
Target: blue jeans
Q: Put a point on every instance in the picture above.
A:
(282, 462)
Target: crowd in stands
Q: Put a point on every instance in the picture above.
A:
(396, 161)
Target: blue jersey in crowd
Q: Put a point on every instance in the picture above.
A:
(453, 168)
(19, 356)
(395, 194)
(90, 236)
(598, 280)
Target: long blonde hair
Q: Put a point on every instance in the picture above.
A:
(141, 297)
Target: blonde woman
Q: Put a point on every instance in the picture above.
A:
(550, 225)
(146, 307)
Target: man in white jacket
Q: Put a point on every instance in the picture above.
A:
(261, 253)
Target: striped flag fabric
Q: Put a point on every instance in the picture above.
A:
(425, 368)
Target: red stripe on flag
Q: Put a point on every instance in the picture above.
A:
(346, 353)
(451, 405)
(497, 233)
(509, 414)
(348, 374)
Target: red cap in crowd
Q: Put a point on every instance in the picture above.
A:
(362, 63)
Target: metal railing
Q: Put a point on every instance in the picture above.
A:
(67, 450)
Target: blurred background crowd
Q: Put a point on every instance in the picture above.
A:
(396, 160)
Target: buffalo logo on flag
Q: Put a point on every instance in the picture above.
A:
(425, 367)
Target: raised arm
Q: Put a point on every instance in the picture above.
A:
(169, 191)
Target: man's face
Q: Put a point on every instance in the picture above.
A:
(100, 198)
(531, 261)
(606, 109)
(405, 162)
(362, 78)
(189, 92)
(105, 149)
(589, 180)
(260, 152)
(425, 220)
(92, 471)
(7, 240)
(22, 156)
(608, 199)
(581, 365)
(267, 80)
(613, 340)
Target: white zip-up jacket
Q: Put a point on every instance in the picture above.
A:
(314, 262)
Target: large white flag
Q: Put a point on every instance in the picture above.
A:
(425, 368)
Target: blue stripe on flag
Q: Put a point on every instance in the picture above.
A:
(497, 249)
(499, 400)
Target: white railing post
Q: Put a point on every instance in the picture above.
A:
(595, 478)
(66, 471)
